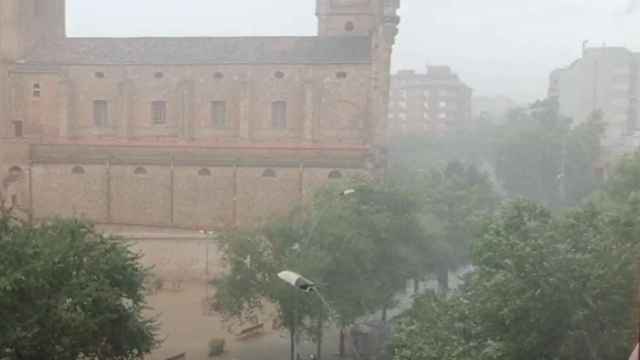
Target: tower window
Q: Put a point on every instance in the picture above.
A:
(18, 130)
(349, 26)
(279, 115)
(101, 113)
(219, 114)
(36, 90)
(159, 112)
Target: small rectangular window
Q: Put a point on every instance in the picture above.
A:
(219, 114)
(101, 113)
(36, 90)
(159, 112)
(279, 115)
(17, 129)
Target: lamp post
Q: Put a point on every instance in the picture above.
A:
(298, 281)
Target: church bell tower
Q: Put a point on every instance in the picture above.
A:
(24, 24)
(348, 17)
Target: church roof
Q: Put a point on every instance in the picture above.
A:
(202, 51)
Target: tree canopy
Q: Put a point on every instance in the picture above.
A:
(67, 292)
(543, 287)
(355, 247)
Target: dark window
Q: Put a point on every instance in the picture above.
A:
(17, 129)
(219, 114)
(204, 172)
(269, 173)
(349, 26)
(278, 75)
(158, 75)
(140, 171)
(77, 170)
(159, 112)
(279, 115)
(335, 174)
(36, 90)
(218, 76)
(101, 113)
(341, 75)
(99, 75)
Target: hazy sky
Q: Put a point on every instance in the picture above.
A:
(497, 46)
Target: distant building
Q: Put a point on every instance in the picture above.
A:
(494, 108)
(604, 79)
(429, 103)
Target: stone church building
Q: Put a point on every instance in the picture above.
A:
(202, 132)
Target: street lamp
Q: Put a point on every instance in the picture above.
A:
(298, 281)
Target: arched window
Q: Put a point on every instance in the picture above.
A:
(78, 170)
(349, 26)
(15, 170)
(341, 75)
(218, 76)
(99, 75)
(335, 174)
(269, 173)
(204, 172)
(158, 75)
(278, 75)
(140, 171)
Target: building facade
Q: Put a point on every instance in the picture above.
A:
(604, 79)
(188, 132)
(429, 103)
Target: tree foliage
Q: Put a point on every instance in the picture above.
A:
(355, 247)
(542, 158)
(67, 292)
(543, 287)
(452, 203)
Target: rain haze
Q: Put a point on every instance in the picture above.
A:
(500, 47)
(319, 179)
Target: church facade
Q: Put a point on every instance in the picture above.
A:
(188, 132)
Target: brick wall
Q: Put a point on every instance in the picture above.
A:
(65, 191)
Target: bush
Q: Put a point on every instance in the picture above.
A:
(216, 347)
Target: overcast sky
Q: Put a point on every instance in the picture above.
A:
(499, 47)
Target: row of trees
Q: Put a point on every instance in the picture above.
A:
(355, 246)
(544, 286)
(361, 248)
(533, 153)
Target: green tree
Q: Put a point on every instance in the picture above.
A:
(625, 181)
(452, 204)
(67, 292)
(543, 287)
(583, 150)
(355, 247)
(530, 152)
